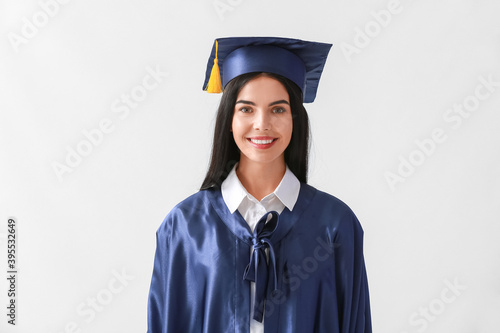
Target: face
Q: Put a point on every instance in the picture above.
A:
(262, 121)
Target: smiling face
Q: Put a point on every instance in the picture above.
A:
(262, 122)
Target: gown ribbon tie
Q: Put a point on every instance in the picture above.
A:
(258, 268)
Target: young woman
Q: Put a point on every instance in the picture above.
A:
(257, 249)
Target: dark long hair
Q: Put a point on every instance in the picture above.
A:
(225, 152)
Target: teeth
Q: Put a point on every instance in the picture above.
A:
(261, 142)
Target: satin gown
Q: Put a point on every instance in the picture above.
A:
(313, 279)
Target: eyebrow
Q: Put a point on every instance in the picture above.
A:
(281, 101)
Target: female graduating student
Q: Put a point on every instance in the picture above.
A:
(257, 249)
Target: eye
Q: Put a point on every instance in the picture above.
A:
(245, 109)
(279, 110)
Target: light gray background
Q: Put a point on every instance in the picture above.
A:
(438, 227)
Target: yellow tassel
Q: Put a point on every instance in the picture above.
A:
(214, 83)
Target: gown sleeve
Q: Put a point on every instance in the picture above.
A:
(352, 283)
(157, 321)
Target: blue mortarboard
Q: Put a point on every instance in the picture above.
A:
(300, 61)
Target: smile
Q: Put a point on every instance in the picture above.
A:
(262, 142)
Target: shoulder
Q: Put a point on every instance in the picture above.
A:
(331, 210)
(193, 206)
(192, 203)
(325, 201)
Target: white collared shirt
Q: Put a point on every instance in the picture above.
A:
(237, 197)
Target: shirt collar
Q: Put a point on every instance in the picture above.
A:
(288, 189)
(233, 191)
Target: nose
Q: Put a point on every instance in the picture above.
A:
(262, 121)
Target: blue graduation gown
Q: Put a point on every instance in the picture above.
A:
(316, 278)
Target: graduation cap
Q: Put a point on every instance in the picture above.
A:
(300, 61)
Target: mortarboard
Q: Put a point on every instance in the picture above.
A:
(300, 61)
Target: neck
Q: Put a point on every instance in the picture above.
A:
(260, 179)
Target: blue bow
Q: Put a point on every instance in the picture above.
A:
(257, 269)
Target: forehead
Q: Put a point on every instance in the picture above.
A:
(263, 88)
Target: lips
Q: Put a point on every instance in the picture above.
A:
(262, 142)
